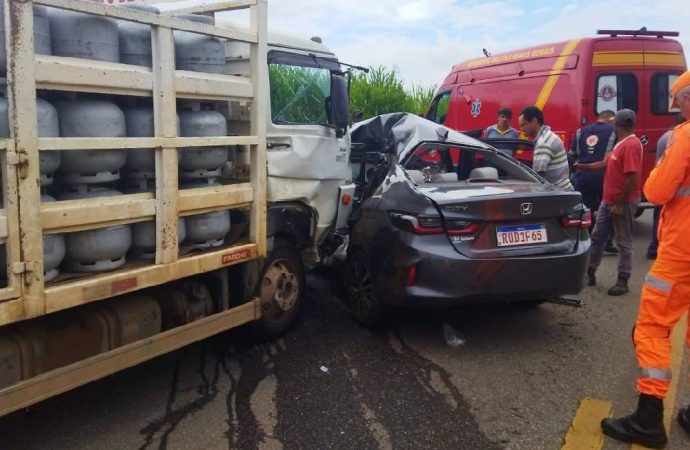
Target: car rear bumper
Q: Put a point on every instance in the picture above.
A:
(443, 277)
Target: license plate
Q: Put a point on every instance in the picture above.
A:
(521, 235)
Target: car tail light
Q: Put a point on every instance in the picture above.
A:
(461, 227)
(577, 219)
(417, 224)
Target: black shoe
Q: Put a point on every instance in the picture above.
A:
(684, 419)
(591, 278)
(645, 426)
(610, 248)
(651, 254)
(620, 288)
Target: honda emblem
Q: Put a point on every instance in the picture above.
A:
(526, 209)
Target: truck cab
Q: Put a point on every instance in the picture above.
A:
(308, 144)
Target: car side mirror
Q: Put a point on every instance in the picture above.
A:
(339, 105)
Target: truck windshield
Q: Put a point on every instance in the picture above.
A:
(300, 85)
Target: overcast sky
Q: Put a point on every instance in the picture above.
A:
(424, 38)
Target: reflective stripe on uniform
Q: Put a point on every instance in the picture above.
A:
(663, 286)
(683, 192)
(654, 373)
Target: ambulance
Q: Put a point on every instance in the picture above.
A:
(571, 82)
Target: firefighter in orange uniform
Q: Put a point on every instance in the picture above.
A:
(666, 291)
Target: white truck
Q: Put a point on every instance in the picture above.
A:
(73, 309)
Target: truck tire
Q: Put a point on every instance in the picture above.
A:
(280, 288)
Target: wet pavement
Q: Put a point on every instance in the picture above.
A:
(487, 377)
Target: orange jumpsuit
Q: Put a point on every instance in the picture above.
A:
(666, 291)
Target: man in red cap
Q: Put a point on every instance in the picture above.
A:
(666, 291)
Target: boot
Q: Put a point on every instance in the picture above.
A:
(620, 288)
(610, 248)
(591, 278)
(684, 419)
(645, 426)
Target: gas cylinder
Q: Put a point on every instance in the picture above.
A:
(48, 126)
(202, 162)
(135, 38)
(141, 162)
(206, 230)
(53, 250)
(100, 249)
(144, 238)
(91, 117)
(82, 35)
(41, 33)
(197, 52)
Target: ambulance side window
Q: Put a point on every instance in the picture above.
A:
(438, 111)
(616, 91)
(661, 97)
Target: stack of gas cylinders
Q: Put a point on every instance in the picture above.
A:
(74, 175)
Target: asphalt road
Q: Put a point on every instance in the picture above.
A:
(514, 380)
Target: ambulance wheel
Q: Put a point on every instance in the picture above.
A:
(280, 289)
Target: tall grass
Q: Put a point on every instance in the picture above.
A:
(383, 91)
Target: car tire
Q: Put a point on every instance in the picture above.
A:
(280, 289)
(365, 306)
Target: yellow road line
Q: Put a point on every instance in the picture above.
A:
(555, 73)
(677, 348)
(585, 431)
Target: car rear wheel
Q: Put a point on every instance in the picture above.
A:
(364, 305)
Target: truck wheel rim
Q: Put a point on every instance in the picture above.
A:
(279, 289)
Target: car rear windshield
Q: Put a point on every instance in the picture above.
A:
(442, 162)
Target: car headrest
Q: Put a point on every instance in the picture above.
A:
(484, 174)
(450, 177)
(417, 176)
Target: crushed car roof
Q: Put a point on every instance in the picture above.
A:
(400, 133)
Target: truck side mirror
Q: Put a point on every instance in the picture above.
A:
(339, 104)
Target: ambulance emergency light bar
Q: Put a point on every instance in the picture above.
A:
(641, 32)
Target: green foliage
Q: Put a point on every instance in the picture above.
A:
(298, 94)
(382, 91)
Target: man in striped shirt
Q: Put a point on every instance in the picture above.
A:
(550, 159)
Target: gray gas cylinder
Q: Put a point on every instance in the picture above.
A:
(144, 238)
(100, 249)
(206, 230)
(53, 250)
(41, 33)
(144, 233)
(135, 38)
(197, 52)
(48, 126)
(141, 162)
(91, 118)
(202, 162)
(82, 35)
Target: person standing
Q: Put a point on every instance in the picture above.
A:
(660, 148)
(502, 130)
(591, 144)
(666, 291)
(620, 200)
(550, 159)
